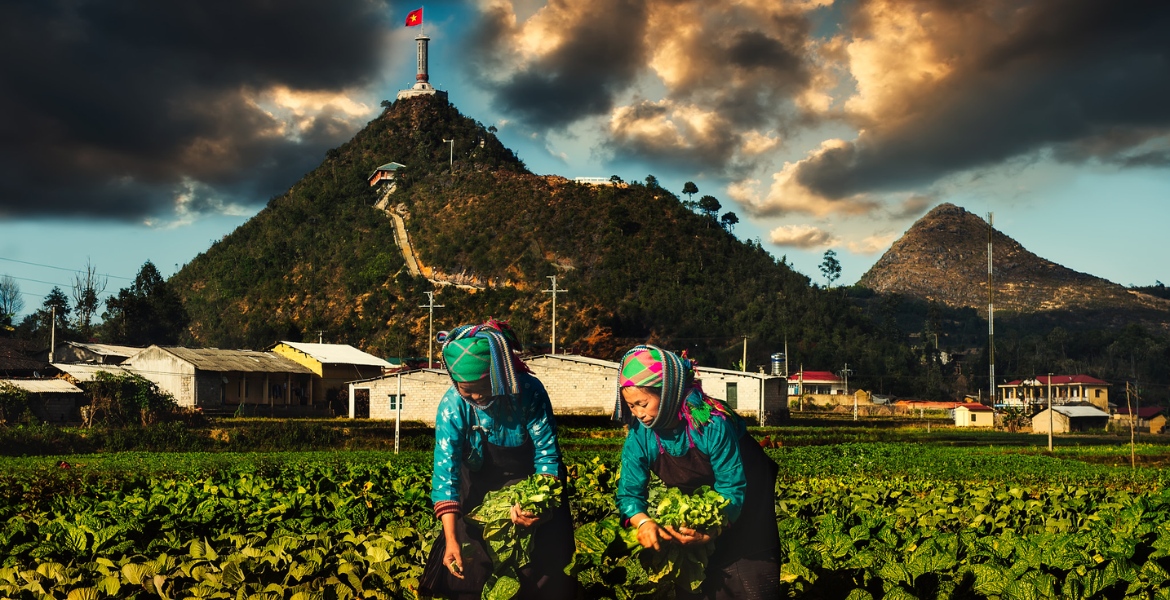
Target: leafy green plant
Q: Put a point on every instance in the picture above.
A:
(509, 546)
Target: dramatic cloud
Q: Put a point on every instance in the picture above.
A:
(566, 62)
(678, 82)
(801, 236)
(161, 111)
(946, 87)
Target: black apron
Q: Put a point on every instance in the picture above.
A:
(745, 563)
(552, 543)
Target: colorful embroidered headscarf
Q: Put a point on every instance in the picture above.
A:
(683, 400)
(650, 366)
(472, 351)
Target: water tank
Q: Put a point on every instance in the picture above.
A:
(779, 364)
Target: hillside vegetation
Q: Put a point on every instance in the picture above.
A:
(637, 263)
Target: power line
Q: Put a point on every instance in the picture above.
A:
(25, 262)
(68, 285)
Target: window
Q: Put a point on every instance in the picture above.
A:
(1097, 393)
(394, 401)
(974, 417)
(732, 395)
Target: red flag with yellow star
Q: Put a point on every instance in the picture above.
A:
(414, 18)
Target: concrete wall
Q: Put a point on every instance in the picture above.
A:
(421, 392)
(577, 387)
(172, 375)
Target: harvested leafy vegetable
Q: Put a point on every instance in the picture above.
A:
(510, 546)
(606, 551)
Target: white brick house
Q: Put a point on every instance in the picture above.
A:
(577, 385)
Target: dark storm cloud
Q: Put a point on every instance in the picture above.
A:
(601, 53)
(110, 107)
(1082, 79)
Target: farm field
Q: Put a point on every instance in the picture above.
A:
(941, 515)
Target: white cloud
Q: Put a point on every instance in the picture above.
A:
(801, 236)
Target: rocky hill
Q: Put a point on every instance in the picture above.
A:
(638, 264)
(943, 258)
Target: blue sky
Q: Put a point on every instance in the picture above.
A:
(820, 124)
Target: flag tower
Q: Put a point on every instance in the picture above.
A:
(422, 85)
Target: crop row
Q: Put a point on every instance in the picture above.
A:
(863, 519)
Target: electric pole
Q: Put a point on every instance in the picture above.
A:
(743, 365)
(1050, 412)
(991, 314)
(430, 306)
(554, 291)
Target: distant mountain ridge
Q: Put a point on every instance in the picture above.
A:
(943, 258)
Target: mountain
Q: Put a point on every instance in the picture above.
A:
(943, 258)
(321, 260)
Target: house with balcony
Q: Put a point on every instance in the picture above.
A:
(1032, 394)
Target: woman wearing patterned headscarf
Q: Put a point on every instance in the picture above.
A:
(689, 439)
(494, 427)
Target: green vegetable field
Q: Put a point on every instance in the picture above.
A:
(857, 520)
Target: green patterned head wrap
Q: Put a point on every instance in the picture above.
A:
(468, 359)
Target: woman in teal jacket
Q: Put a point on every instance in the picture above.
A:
(494, 427)
(689, 439)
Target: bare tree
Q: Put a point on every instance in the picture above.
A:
(10, 301)
(88, 286)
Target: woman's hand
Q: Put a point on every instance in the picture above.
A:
(452, 556)
(453, 559)
(650, 535)
(687, 536)
(523, 518)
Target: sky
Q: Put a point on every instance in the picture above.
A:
(134, 130)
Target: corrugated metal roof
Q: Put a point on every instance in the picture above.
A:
(84, 372)
(814, 377)
(248, 361)
(1144, 412)
(108, 349)
(43, 386)
(337, 354)
(1080, 411)
(974, 406)
(1057, 380)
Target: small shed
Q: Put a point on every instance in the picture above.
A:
(54, 400)
(1070, 418)
(386, 172)
(85, 373)
(17, 359)
(419, 391)
(973, 414)
(1149, 418)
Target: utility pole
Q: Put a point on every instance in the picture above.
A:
(397, 412)
(1132, 420)
(743, 365)
(1050, 412)
(430, 306)
(52, 332)
(991, 314)
(800, 387)
(845, 373)
(554, 291)
(451, 154)
(320, 338)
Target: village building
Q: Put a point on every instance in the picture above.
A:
(214, 378)
(80, 374)
(576, 385)
(1151, 419)
(1066, 418)
(387, 172)
(98, 354)
(334, 365)
(52, 400)
(971, 414)
(1066, 389)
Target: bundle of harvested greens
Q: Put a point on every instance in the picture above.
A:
(510, 546)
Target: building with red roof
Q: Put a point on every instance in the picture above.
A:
(973, 414)
(1066, 389)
